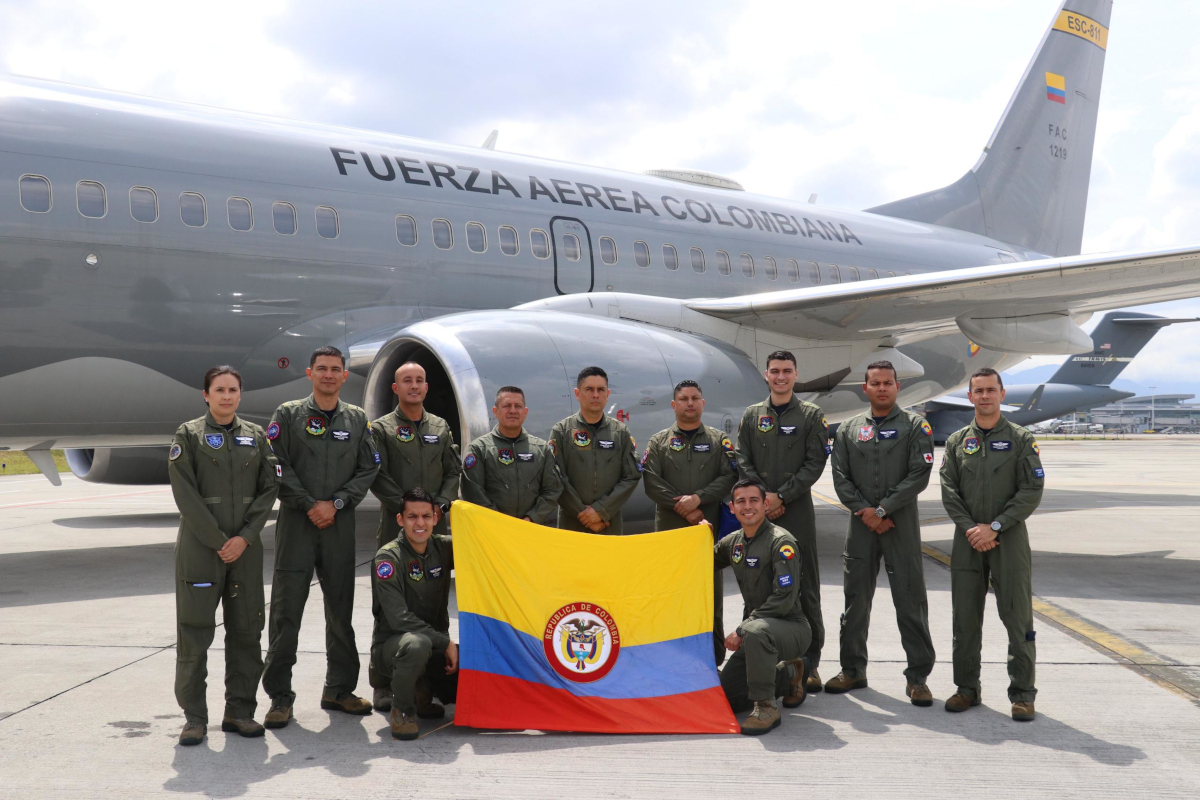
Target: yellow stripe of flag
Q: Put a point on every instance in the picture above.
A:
(1056, 81)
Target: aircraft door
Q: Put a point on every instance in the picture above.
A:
(574, 267)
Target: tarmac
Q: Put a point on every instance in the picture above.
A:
(87, 629)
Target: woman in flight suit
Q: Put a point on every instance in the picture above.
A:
(224, 479)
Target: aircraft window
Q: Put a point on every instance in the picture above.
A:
(35, 194)
(608, 250)
(891, 274)
(240, 213)
(835, 275)
(327, 222)
(192, 210)
(874, 273)
(443, 234)
(793, 269)
(91, 199)
(853, 273)
(284, 217)
(539, 243)
(476, 237)
(143, 204)
(641, 254)
(406, 230)
(670, 257)
(814, 273)
(747, 261)
(510, 243)
(697, 259)
(571, 247)
(770, 267)
(724, 265)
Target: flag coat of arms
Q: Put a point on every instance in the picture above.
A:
(576, 632)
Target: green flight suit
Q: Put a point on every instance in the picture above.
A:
(410, 594)
(884, 464)
(413, 454)
(787, 453)
(517, 477)
(770, 572)
(321, 458)
(225, 483)
(598, 467)
(993, 476)
(703, 464)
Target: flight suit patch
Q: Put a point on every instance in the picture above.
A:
(378, 460)
(787, 552)
(505, 456)
(430, 438)
(970, 445)
(785, 580)
(315, 426)
(215, 440)
(787, 430)
(273, 431)
(1036, 449)
(384, 570)
(1038, 471)
(676, 443)
(415, 572)
(738, 552)
(404, 433)
(828, 449)
(526, 457)
(606, 445)
(278, 470)
(765, 423)
(927, 428)
(435, 572)
(929, 458)
(702, 448)
(176, 452)
(469, 461)
(1000, 445)
(726, 445)
(581, 438)
(553, 447)
(341, 436)
(244, 441)
(892, 434)
(752, 562)
(866, 433)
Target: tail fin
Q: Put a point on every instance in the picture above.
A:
(1029, 188)
(1119, 337)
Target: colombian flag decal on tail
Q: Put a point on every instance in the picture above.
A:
(576, 632)
(1056, 88)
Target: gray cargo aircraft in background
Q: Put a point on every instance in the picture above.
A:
(1082, 382)
(143, 241)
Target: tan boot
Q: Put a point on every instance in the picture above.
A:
(404, 726)
(192, 734)
(382, 700)
(841, 683)
(763, 719)
(243, 727)
(349, 703)
(919, 694)
(279, 715)
(426, 708)
(799, 690)
(961, 702)
(813, 684)
(1023, 712)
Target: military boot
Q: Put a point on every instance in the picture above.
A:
(799, 690)
(961, 702)
(763, 719)
(192, 733)
(348, 702)
(1023, 711)
(404, 726)
(280, 713)
(426, 708)
(813, 684)
(382, 700)
(841, 683)
(919, 694)
(243, 727)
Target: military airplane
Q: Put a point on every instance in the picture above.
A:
(143, 241)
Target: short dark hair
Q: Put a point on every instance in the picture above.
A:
(327, 350)
(781, 355)
(746, 482)
(217, 372)
(590, 372)
(510, 390)
(984, 372)
(688, 384)
(880, 365)
(416, 495)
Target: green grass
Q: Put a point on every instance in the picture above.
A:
(14, 462)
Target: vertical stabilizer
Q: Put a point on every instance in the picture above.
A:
(1029, 188)
(1119, 337)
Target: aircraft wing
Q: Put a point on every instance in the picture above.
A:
(951, 401)
(1024, 307)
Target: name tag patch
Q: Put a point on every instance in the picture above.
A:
(435, 572)
(702, 448)
(341, 436)
(525, 456)
(892, 434)
(752, 562)
(430, 438)
(787, 430)
(606, 445)
(785, 580)
(1001, 445)
(244, 441)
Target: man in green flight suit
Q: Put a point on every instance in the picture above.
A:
(783, 443)
(689, 469)
(992, 481)
(509, 471)
(597, 460)
(881, 462)
(416, 449)
(328, 461)
(768, 645)
(410, 591)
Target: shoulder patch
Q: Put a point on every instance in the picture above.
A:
(469, 461)
(927, 428)
(273, 431)
(385, 570)
(1037, 450)
(787, 552)
(785, 580)
(176, 452)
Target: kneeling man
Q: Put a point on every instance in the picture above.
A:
(410, 592)
(768, 646)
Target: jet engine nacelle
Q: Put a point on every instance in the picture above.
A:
(124, 465)
(468, 356)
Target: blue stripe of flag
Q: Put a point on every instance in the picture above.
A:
(1056, 92)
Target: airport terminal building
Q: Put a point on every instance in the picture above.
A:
(1158, 411)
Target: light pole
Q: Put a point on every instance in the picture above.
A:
(1152, 388)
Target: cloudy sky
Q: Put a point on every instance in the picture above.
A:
(860, 103)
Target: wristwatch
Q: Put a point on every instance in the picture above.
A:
(445, 507)
(880, 512)
(339, 503)
(996, 526)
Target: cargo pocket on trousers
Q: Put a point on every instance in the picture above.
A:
(196, 603)
(246, 604)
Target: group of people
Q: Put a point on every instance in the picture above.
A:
(320, 456)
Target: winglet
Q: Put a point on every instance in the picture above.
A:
(44, 461)
(490, 142)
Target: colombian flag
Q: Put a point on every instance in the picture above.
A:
(1056, 88)
(577, 632)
